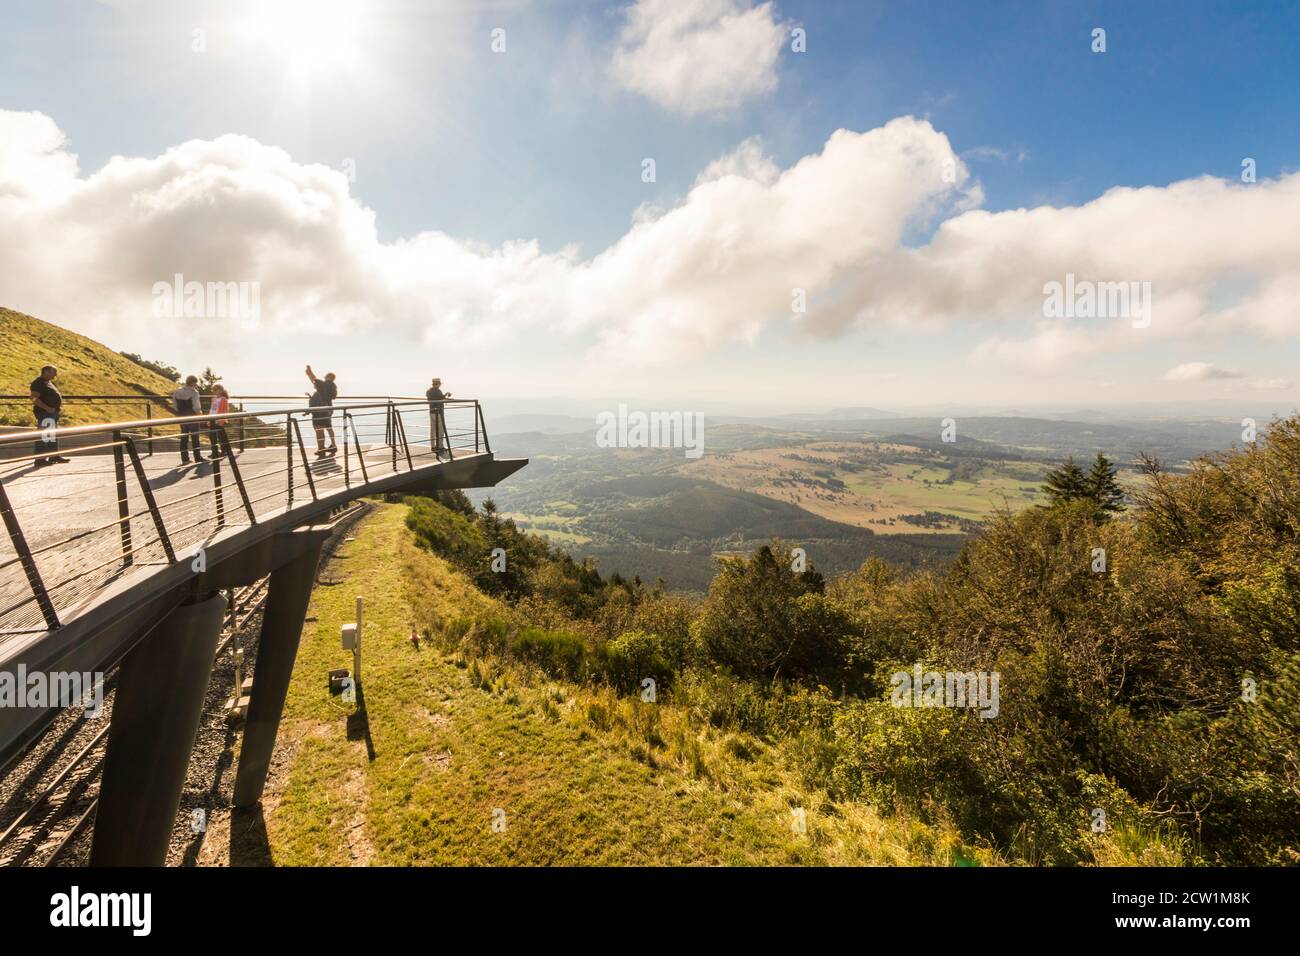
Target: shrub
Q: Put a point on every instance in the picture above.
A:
(446, 533)
(634, 656)
(559, 653)
(762, 619)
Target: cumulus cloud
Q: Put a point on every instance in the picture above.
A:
(876, 228)
(1198, 372)
(711, 269)
(702, 57)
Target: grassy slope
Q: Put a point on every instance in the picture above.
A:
(584, 777)
(85, 368)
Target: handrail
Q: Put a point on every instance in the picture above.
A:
(62, 432)
(154, 397)
(256, 478)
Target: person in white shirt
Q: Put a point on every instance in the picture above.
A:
(188, 401)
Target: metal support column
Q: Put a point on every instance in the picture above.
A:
(156, 712)
(287, 596)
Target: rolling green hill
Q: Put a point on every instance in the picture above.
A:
(665, 510)
(86, 367)
(669, 527)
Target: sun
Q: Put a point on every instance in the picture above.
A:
(312, 37)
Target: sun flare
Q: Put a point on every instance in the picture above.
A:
(312, 37)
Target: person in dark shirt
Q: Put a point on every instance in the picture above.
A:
(47, 405)
(189, 401)
(323, 421)
(437, 423)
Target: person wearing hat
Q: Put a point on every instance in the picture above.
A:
(437, 423)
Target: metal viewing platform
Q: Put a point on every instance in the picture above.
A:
(121, 554)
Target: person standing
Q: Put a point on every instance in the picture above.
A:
(187, 401)
(220, 405)
(47, 405)
(323, 421)
(437, 421)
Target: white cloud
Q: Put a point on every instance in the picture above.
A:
(712, 269)
(701, 57)
(848, 225)
(1199, 372)
(33, 162)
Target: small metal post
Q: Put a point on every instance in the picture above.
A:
(239, 675)
(356, 649)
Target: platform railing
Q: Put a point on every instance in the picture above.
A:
(256, 463)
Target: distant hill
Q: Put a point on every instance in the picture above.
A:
(667, 511)
(852, 413)
(541, 424)
(86, 367)
(670, 527)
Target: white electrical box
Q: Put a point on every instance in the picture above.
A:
(349, 637)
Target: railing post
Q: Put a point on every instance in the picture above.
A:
(123, 505)
(347, 466)
(392, 432)
(219, 494)
(28, 562)
(241, 428)
(148, 414)
(406, 446)
(302, 450)
(361, 458)
(150, 502)
(288, 449)
(482, 425)
(224, 445)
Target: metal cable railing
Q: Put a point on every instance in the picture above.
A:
(122, 500)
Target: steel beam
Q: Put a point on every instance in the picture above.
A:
(156, 711)
(287, 596)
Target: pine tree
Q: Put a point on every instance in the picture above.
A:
(1102, 486)
(207, 379)
(1067, 483)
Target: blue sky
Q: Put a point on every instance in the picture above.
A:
(542, 142)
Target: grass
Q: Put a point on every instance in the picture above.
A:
(582, 775)
(555, 528)
(85, 368)
(904, 484)
(897, 480)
